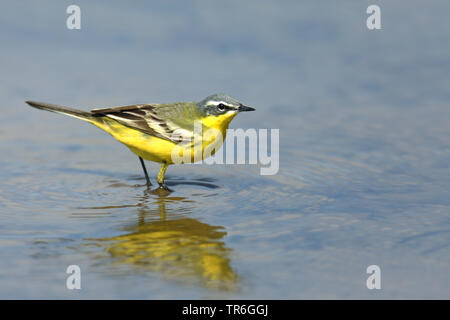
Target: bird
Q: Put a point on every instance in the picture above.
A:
(158, 131)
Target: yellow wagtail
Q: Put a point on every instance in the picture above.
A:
(152, 131)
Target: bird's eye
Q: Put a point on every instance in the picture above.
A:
(221, 107)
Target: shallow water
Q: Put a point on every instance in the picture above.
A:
(364, 153)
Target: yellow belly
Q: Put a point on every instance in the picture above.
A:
(156, 149)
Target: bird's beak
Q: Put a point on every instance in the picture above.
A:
(245, 108)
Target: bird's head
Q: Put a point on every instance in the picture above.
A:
(221, 104)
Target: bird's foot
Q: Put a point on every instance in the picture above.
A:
(164, 187)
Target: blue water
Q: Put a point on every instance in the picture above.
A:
(364, 173)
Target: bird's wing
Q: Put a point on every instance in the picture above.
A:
(154, 119)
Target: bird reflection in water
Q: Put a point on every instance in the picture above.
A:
(165, 240)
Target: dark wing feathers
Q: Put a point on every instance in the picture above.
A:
(143, 117)
(133, 108)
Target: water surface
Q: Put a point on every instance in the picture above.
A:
(364, 152)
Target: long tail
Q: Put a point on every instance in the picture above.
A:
(83, 115)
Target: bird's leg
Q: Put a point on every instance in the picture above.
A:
(145, 171)
(161, 174)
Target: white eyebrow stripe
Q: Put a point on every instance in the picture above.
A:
(216, 103)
